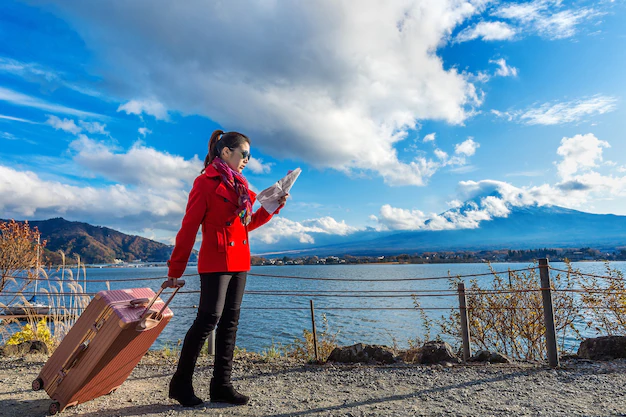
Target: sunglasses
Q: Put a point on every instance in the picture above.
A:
(244, 154)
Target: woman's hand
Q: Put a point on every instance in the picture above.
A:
(283, 200)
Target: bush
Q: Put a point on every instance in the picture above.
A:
(304, 349)
(27, 334)
(273, 352)
(605, 301)
(19, 251)
(507, 316)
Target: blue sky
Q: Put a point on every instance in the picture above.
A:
(397, 112)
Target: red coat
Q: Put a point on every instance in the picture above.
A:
(225, 244)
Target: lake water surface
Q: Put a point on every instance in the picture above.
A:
(267, 319)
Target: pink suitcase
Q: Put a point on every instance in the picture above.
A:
(105, 344)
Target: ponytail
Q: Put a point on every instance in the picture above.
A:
(213, 152)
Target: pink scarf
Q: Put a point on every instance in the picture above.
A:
(239, 184)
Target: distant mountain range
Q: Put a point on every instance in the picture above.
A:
(95, 244)
(528, 227)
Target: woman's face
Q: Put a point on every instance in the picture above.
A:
(237, 158)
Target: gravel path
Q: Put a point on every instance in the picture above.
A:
(288, 388)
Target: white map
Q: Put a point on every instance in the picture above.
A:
(270, 196)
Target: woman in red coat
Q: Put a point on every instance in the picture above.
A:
(221, 202)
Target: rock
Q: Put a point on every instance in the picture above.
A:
(24, 348)
(363, 354)
(13, 350)
(38, 346)
(411, 355)
(436, 352)
(603, 348)
(491, 357)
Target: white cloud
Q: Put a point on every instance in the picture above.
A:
(33, 72)
(564, 112)
(25, 195)
(503, 115)
(467, 148)
(488, 31)
(315, 81)
(524, 12)
(430, 137)
(17, 119)
(545, 18)
(550, 114)
(330, 225)
(283, 228)
(24, 100)
(441, 154)
(503, 69)
(144, 131)
(392, 218)
(67, 125)
(488, 199)
(139, 166)
(257, 166)
(151, 107)
(580, 152)
(93, 127)
(428, 167)
(11, 136)
(460, 216)
(454, 203)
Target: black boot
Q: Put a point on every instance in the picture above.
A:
(182, 391)
(225, 393)
(221, 389)
(181, 388)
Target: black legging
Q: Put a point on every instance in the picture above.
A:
(220, 304)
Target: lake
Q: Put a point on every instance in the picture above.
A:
(278, 319)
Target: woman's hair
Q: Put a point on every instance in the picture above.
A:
(220, 140)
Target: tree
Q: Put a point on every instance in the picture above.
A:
(20, 248)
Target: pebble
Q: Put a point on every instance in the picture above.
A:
(287, 387)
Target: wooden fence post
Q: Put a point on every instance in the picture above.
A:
(211, 343)
(314, 332)
(548, 313)
(465, 332)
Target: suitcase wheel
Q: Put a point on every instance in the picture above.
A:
(37, 384)
(54, 408)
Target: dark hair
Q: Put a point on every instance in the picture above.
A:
(220, 140)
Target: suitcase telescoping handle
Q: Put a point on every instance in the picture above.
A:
(148, 318)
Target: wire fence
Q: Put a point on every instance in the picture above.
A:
(418, 293)
(546, 289)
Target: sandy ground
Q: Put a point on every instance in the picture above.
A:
(288, 388)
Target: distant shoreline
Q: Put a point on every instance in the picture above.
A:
(163, 265)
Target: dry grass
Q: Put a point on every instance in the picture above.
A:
(304, 349)
(509, 318)
(605, 301)
(20, 249)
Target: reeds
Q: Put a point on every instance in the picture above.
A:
(58, 289)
